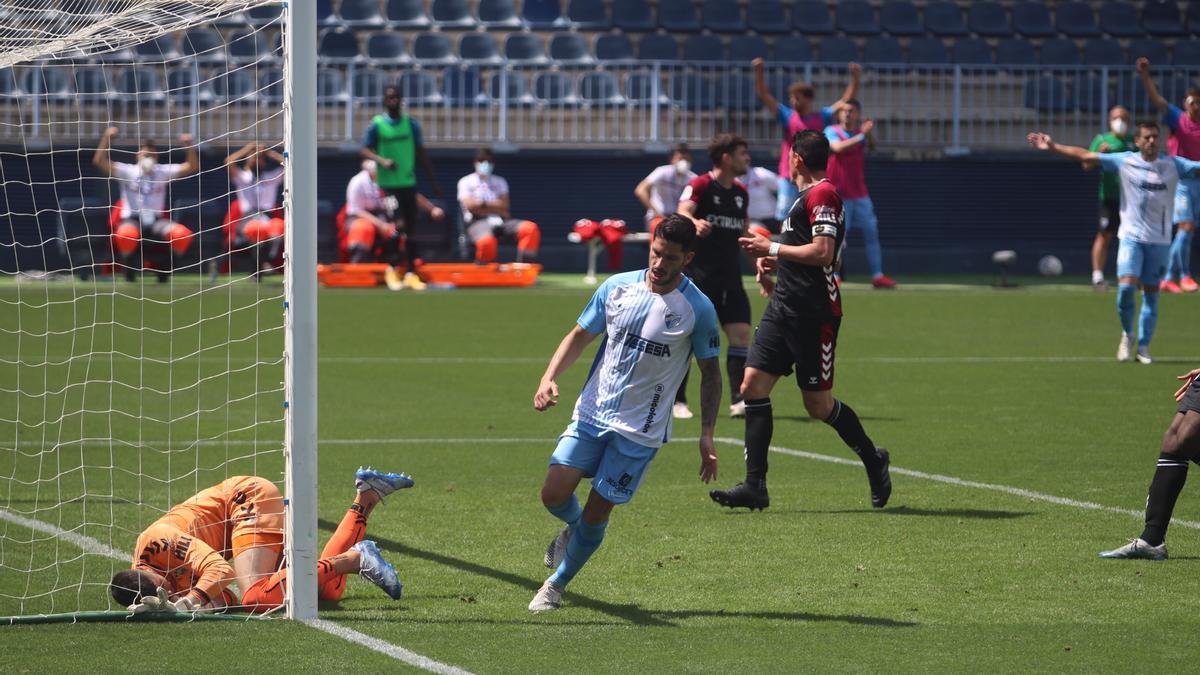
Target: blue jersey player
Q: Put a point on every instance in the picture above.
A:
(653, 321)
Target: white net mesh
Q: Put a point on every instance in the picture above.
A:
(140, 346)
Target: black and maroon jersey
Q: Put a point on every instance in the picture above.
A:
(805, 290)
(718, 254)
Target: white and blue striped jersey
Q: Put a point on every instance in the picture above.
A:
(648, 346)
(1147, 193)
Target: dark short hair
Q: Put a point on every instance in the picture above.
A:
(681, 149)
(394, 89)
(854, 102)
(724, 144)
(129, 586)
(812, 147)
(484, 153)
(677, 229)
(801, 89)
(148, 144)
(1148, 124)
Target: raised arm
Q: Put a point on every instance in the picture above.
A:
(1143, 70)
(102, 159)
(231, 162)
(567, 353)
(1043, 142)
(191, 163)
(710, 404)
(839, 145)
(760, 86)
(851, 87)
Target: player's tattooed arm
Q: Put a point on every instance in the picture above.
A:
(710, 404)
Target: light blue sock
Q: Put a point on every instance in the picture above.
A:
(1148, 318)
(1125, 306)
(1175, 259)
(870, 231)
(584, 542)
(1185, 252)
(568, 511)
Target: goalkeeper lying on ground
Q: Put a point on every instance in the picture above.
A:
(233, 531)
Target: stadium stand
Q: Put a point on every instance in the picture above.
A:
(838, 50)
(1120, 19)
(249, 45)
(882, 50)
(206, 44)
(1103, 52)
(1150, 48)
(793, 49)
(510, 86)
(697, 48)
(360, 13)
(856, 17)
(1015, 52)
(407, 15)
(1187, 53)
(657, 48)
(744, 48)
(736, 93)
(1161, 18)
(944, 19)
(479, 49)
(1032, 19)
(678, 16)
(600, 87)
(971, 52)
(543, 14)
(613, 47)
(571, 50)
(499, 15)
(633, 16)
(900, 18)
(767, 17)
(420, 88)
(927, 51)
(91, 84)
(339, 45)
(525, 49)
(463, 87)
(387, 48)
(554, 88)
(989, 19)
(1076, 19)
(369, 85)
(723, 16)
(453, 15)
(588, 15)
(1193, 18)
(433, 49)
(163, 47)
(1060, 52)
(812, 17)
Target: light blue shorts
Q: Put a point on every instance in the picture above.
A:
(1147, 262)
(1187, 201)
(615, 464)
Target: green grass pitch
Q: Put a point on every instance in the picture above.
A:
(1015, 388)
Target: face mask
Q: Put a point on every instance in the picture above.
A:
(682, 166)
(484, 168)
(146, 164)
(1118, 126)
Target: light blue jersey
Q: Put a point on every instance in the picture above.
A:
(1147, 193)
(650, 339)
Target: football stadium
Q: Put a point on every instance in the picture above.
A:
(333, 333)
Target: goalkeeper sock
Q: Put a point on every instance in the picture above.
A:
(568, 511)
(349, 532)
(584, 542)
(268, 593)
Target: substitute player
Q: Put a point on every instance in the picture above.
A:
(233, 531)
(369, 227)
(258, 185)
(1117, 139)
(1148, 183)
(799, 328)
(659, 191)
(653, 321)
(1180, 445)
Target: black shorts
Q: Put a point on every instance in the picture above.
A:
(1191, 399)
(406, 207)
(728, 296)
(1110, 217)
(809, 345)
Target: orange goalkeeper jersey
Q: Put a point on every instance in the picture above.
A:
(188, 563)
(227, 511)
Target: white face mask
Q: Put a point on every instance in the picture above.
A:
(484, 168)
(682, 167)
(1118, 126)
(146, 164)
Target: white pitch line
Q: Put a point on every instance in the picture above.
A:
(88, 544)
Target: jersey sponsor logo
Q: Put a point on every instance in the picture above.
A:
(650, 414)
(672, 320)
(641, 344)
(826, 213)
(786, 227)
(727, 222)
(1152, 187)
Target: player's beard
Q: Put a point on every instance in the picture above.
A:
(666, 280)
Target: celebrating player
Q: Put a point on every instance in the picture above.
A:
(233, 531)
(1180, 445)
(1117, 139)
(659, 192)
(800, 327)
(257, 198)
(654, 320)
(1148, 181)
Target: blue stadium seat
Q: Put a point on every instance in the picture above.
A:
(236, 86)
(1187, 53)
(1120, 19)
(812, 17)
(419, 88)
(204, 44)
(989, 19)
(1161, 17)
(331, 88)
(461, 87)
(570, 49)
(367, 86)
(499, 15)
(1015, 52)
(246, 46)
(1032, 19)
(600, 88)
(723, 16)
(453, 15)
(554, 88)
(944, 19)
(479, 49)
(325, 15)
(8, 83)
(1089, 93)
(856, 17)
(793, 49)
(1047, 94)
(927, 50)
(1130, 92)
(52, 82)
(1076, 19)
(525, 49)
(588, 15)
(512, 85)
(678, 16)
(1150, 48)
(899, 17)
(639, 90)
(736, 92)
(838, 50)
(182, 87)
(703, 48)
(91, 84)
(407, 14)
(142, 84)
(633, 16)
(1193, 17)
(882, 50)
(694, 92)
(339, 44)
(613, 47)
(767, 17)
(543, 14)
(1059, 52)
(743, 48)
(971, 52)
(1103, 52)
(163, 47)
(432, 49)
(363, 13)
(386, 47)
(270, 86)
(657, 48)
(264, 14)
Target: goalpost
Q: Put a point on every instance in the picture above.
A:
(139, 366)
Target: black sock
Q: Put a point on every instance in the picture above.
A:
(1168, 481)
(846, 423)
(760, 425)
(735, 367)
(681, 393)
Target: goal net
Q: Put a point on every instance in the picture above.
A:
(142, 290)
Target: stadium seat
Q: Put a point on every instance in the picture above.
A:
(927, 51)
(367, 87)
(499, 15)
(1150, 48)
(420, 88)
(264, 15)
(52, 82)
(270, 86)
(743, 48)
(8, 83)
(793, 49)
(989, 19)
(736, 92)
(723, 16)
(462, 87)
(236, 86)
(363, 13)
(386, 47)
(543, 15)
(91, 84)
(657, 48)
(479, 49)
(633, 16)
(570, 49)
(856, 17)
(899, 17)
(525, 49)
(703, 48)
(204, 44)
(1047, 94)
(554, 88)
(1161, 17)
(944, 19)
(432, 49)
(1193, 17)
(678, 16)
(246, 46)
(1103, 52)
(1120, 19)
(693, 91)
(325, 15)
(971, 52)
(163, 47)
(812, 17)
(613, 47)
(600, 88)
(1187, 53)
(453, 15)
(1032, 19)
(588, 15)
(838, 50)
(1089, 93)
(1015, 52)
(339, 44)
(767, 17)
(1059, 52)
(407, 14)
(331, 87)
(182, 87)
(639, 90)
(511, 86)
(1076, 19)
(882, 50)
